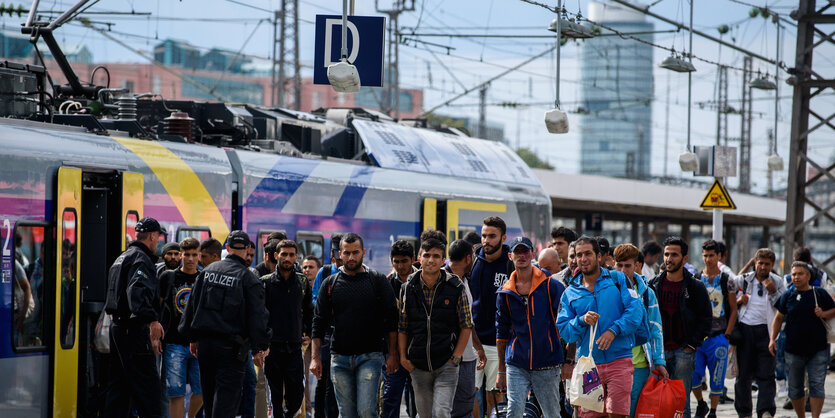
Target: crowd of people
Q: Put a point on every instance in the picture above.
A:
(457, 329)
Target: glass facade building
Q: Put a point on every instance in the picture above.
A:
(616, 91)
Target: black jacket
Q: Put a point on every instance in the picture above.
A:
(696, 308)
(132, 286)
(432, 331)
(227, 302)
(290, 304)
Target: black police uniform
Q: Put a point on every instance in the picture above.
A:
(132, 299)
(225, 314)
(290, 304)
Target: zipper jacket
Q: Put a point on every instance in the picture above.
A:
(486, 279)
(530, 329)
(654, 348)
(620, 309)
(696, 309)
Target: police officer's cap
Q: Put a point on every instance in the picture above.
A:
(148, 225)
(238, 240)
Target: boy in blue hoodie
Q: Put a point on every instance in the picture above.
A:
(600, 296)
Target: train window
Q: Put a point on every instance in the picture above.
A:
(263, 235)
(68, 277)
(131, 219)
(31, 267)
(310, 243)
(199, 232)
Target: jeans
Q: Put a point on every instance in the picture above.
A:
(324, 399)
(780, 370)
(247, 409)
(180, 369)
(285, 375)
(798, 366)
(639, 379)
(222, 370)
(544, 384)
(755, 362)
(134, 375)
(393, 386)
(356, 380)
(435, 390)
(680, 365)
(462, 404)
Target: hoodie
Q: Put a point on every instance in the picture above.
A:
(486, 279)
(654, 348)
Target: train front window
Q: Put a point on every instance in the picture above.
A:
(200, 232)
(31, 263)
(68, 277)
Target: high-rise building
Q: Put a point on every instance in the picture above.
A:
(616, 92)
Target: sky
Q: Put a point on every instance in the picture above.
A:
(242, 25)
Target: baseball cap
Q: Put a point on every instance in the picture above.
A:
(520, 241)
(148, 225)
(238, 240)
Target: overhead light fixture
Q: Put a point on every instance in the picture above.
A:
(343, 75)
(688, 161)
(762, 83)
(556, 121)
(677, 64)
(775, 162)
(571, 29)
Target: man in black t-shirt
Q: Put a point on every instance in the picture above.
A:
(180, 365)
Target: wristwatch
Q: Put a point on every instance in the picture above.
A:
(456, 360)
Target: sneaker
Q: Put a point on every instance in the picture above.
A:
(711, 414)
(767, 415)
(754, 387)
(782, 389)
(725, 399)
(788, 405)
(702, 409)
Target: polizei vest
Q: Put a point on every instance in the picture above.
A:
(433, 330)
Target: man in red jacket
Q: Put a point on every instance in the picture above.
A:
(527, 340)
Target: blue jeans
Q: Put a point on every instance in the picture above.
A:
(180, 369)
(543, 383)
(639, 379)
(356, 380)
(247, 409)
(780, 370)
(393, 386)
(798, 366)
(680, 365)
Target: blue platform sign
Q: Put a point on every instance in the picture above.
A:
(366, 46)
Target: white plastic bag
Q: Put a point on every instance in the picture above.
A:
(102, 338)
(586, 389)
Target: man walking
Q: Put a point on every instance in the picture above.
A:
(561, 237)
(402, 257)
(224, 318)
(757, 295)
(290, 306)
(529, 360)
(435, 325)
(601, 297)
(685, 313)
(362, 308)
(136, 333)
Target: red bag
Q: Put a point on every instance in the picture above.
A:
(661, 398)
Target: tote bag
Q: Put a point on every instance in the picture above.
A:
(661, 398)
(586, 389)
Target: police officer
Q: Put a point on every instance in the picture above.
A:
(225, 317)
(136, 334)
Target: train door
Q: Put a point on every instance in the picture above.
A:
(105, 205)
(450, 216)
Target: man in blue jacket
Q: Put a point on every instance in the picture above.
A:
(526, 309)
(600, 296)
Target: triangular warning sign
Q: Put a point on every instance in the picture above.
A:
(717, 198)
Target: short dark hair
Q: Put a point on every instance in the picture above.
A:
(211, 246)
(459, 249)
(351, 238)
(802, 254)
(432, 244)
(402, 248)
(651, 247)
(287, 243)
(472, 238)
(604, 245)
(722, 248)
(765, 253)
(676, 240)
(711, 245)
(189, 243)
(588, 240)
(335, 240)
(805, 265)
(567, 234)
(640, 258)
(433, 234)
(279, 235)
(251, 245)
(495, 222)
(314, 258)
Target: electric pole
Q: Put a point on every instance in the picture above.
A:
(392, 88)
(722, 106)
(745, 134)
(482, 112)
(288, 54)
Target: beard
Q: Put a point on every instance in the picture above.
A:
(172, 264)
(353, 266)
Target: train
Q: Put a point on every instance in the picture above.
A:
(78, 171)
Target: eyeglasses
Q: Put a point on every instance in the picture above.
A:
(759, 289)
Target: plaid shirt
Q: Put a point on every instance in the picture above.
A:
(465, 316)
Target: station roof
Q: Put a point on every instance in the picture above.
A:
(627, 199)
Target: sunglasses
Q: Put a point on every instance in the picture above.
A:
(759, 289)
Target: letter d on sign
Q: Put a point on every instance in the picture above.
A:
(355, 36)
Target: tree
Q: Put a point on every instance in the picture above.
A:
(532, 160)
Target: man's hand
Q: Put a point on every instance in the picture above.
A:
(305, 340)
(193, 349)
(769, 285)
(157, 334)
(772, 346)
(566, 371)
(742, 300)
(689, 349)
(258, 358)
(818, 312)
(591, 317)
(392, 363)
(482, 360)
(407, 364)
(316, 367)
(663, 370)
(605, 340)
(501, 382)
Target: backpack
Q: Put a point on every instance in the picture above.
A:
(642, 333)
